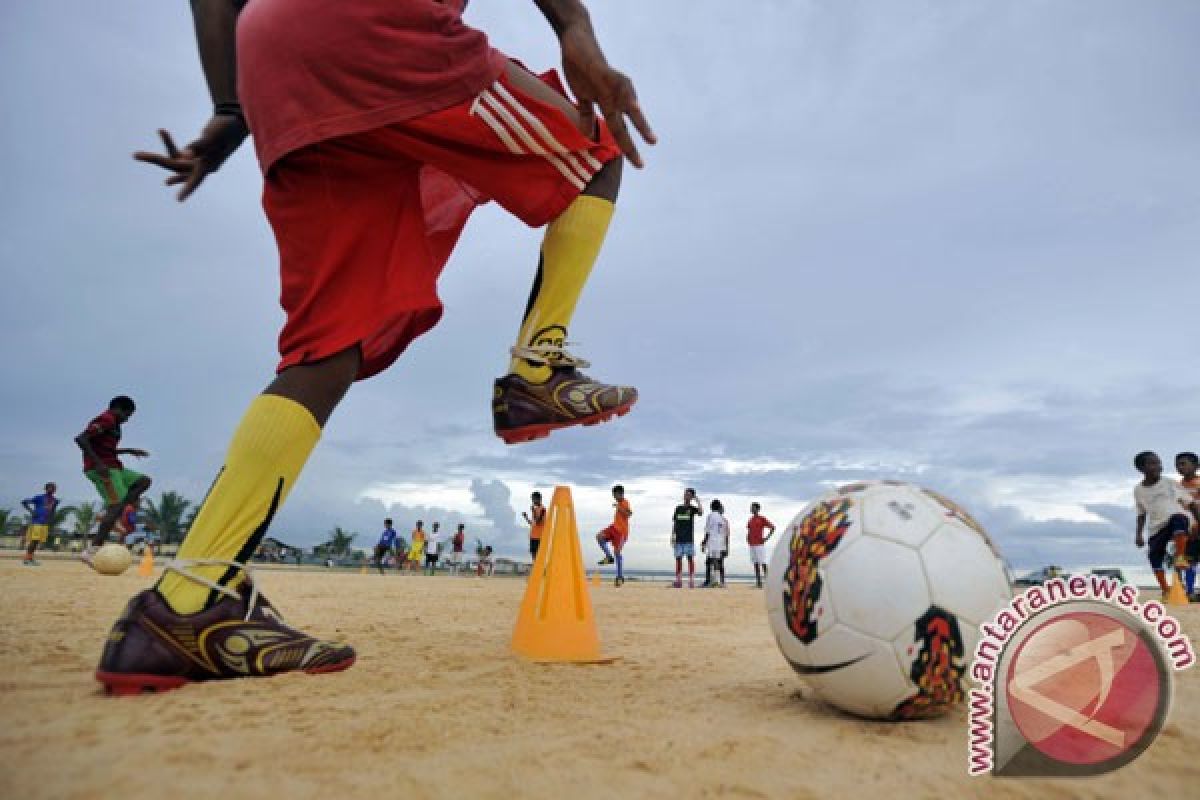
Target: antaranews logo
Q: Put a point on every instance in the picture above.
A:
(1074, 679)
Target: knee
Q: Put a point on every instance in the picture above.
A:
(607, 182)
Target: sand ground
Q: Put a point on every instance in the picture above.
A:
(699, 703)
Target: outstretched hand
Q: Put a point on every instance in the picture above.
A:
(595, 83)
(223, 134)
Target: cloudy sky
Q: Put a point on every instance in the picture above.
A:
(949, 242)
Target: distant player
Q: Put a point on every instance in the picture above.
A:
(379, 126)
(535, 518)
(616, 534)
(416, 546)
(1186, 465)
(486, 565)
(118, 487)
(127, 522)
(433, 549)
(716, 544)
(1162, 507)
(41, 508)
(757, 542)
(683, 536)
(386, 545)
(456, 548)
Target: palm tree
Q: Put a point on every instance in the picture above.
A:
(86, 517)
(338, 543)
(59, 521)
(167, 516)
(9, 522)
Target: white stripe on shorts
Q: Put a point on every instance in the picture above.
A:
(504, 116)
(546, 136)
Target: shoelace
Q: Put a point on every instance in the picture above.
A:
(181, 566)
(551, 354)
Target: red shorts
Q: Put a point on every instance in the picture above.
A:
(365, 223)
(615, 537)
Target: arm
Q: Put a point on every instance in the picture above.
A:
(592, 80)
(770, 526)
(216, 26)
(85, 444)
(27, 505)
(1141, 524)
(133, 451)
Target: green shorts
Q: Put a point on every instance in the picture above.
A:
(115, 486)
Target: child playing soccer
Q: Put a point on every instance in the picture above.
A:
(1161, 508)
(1186, 465)
(716, 544)
(616, 534)
(535, 518)
(387, 544)
(683, 537)
(379, 125)
(433, 549)
(118, 487)
(456, 548)
(757, 542)
(41, 508)
(416, 547)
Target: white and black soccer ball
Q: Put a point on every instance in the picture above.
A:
(876, 593)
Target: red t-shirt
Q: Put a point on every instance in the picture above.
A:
(104, 434)
(755, 528)
(458, 542)
(312, 70)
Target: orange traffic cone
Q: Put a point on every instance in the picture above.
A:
(555, 623)
(146, 568)
(1176, 595)
(596, 578)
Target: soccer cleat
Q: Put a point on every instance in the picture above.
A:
(606, 561)
(619, 581)
(88, 555)
(524, 411)
(31, 562)
(151, 648)
(677, 584)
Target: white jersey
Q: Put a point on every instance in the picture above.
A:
(717, 531)
(1159, 502)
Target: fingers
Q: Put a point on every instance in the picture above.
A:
(193, 181)
(168, 143)
(166, 162)
(624, 104)
(616, 124)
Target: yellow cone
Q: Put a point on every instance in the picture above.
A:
(146, 568)
(1176, 596)
(555, 623)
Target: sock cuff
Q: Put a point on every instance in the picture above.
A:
(584, 214)
(273, 426)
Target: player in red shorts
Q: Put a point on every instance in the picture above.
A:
(617, 534)
(379, 126)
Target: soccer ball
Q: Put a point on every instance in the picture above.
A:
(112, 559)
(876, 593)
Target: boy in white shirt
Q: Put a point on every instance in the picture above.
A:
(1162, 507)
(716, 544)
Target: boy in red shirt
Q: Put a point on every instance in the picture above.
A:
(118, 487)
(757, 542)
(379, 125)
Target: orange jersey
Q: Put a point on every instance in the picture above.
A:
(539, 522)
(620, 520)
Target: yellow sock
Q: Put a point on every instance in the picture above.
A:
(569, 250)
(266, 456)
